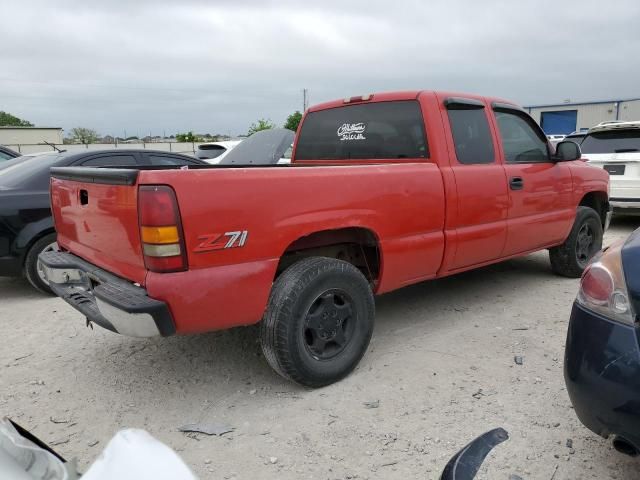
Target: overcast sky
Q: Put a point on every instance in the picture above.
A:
(154, 66)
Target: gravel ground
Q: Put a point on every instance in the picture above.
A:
(440, 365)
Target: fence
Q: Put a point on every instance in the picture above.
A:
(188, 148)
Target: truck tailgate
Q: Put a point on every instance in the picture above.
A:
(97, 219)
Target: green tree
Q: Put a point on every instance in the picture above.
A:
(83, 135)
(262, 124)
(8, 120)
(293, 121)
(186, 137)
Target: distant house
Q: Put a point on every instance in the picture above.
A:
(30, 135)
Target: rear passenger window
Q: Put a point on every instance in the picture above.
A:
(471, 135)
(110, 161)
(383, 130)
(520, 141)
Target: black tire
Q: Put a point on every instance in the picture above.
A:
(319, 321)
(31, 263)
(583, 242)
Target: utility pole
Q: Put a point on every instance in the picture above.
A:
(304, 99)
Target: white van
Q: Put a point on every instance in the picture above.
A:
(616, 148)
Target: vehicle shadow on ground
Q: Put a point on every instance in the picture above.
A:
(234, 357)
(19, 289)
(626, 221)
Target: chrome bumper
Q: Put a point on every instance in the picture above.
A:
(107, 300)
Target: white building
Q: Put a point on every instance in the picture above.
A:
(30, 135)
(568, 117)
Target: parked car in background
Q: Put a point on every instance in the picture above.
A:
(602, 357)
(555, 139)
(609, 122)
(7, 154)
(266, 147)
(213, 152)
(26, 224)
(383, 191)
(616, 148)
(576, 136)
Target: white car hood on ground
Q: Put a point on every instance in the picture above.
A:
(132, 454)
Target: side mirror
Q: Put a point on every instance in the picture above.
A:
(567, 151)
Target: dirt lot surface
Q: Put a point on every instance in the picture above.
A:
(440, 369)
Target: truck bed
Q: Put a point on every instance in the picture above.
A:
(401, 204)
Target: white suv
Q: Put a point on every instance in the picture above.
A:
(616, 148)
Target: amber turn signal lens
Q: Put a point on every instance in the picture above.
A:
(160, 235)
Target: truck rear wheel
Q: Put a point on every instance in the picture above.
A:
(583, 242)
(319, 321)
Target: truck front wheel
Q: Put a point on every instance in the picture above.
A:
(584, 241)
(319, 321)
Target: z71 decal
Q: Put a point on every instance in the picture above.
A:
(220, 241)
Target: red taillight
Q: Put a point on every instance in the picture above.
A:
(161, 229)
(597, 285)
(603, 287)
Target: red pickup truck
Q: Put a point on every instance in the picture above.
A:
(383, 191)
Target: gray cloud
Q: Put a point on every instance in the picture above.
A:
(154, 66)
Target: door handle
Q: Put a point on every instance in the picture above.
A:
(516, 183)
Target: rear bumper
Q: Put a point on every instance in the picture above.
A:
(625, 202)
(107, 300)
(602, 374)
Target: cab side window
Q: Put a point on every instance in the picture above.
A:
(520, 141)
(471, 134)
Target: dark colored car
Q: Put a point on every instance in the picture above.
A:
(602, 356)
(26, 224)
(7, 154)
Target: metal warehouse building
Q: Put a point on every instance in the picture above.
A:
(30, 135)
(568, 117)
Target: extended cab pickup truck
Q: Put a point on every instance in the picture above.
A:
(383, 191)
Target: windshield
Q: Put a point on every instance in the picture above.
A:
(262, 148)
(28, 171)
(612, 141)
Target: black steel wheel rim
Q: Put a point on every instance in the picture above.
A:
(329, 324)
(585, 243)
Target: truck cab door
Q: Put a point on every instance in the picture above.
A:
(477, 213)
(541, 209)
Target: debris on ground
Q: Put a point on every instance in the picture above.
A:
(569, 443)
(372, 404)
(273, 460)
(59, 420)
(206, 428)
(518, 359)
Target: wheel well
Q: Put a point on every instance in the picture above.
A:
(599, 202)
(356, 245)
